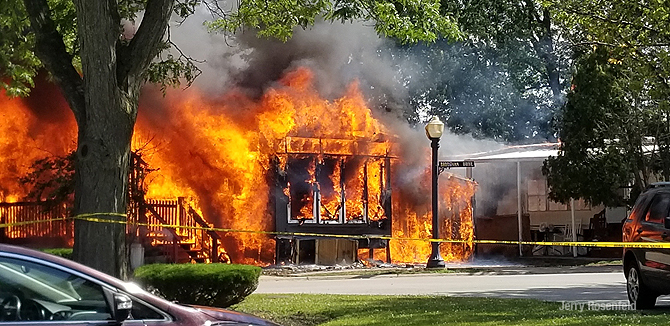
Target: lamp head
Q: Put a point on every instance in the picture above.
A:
(434, 128)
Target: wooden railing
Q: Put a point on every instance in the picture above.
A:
(53, 225)
(171, 222)
(209, 239)
(164, 212)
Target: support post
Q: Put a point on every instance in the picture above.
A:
(215, 250)
(174, 250)
(316, 191)
(343, 199)
(385, 179)
(574, 227)
(518, 206)
(366, 209)
(473, 204)
(435, 260)
(388, 252)
(297, 251)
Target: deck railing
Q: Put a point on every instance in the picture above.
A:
(52, 223)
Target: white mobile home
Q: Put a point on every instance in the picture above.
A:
(512, 185)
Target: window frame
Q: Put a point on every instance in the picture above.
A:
(546, 202)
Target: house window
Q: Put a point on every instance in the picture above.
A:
(581, 205)
(537, 195)
(556, 206)
(538, 200)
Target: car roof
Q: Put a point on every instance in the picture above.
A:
(658, 185)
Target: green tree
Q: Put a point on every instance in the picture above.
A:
(638, 30)
(469, 84)
(504, 80)
(615, 126)
(614, 132)
(593, 161)
(100, 71)
(525, 36)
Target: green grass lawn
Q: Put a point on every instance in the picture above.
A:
(308, 309)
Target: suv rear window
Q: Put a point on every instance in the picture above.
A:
(658, 210)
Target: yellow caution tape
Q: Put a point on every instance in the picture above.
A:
(91, 217)
(80, 216)
(4, 225)
(87, 215)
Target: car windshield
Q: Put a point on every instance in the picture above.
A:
(43, 292)
(46, 283)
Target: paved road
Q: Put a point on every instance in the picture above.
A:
(552, 287)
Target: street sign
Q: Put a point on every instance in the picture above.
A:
(456, 164)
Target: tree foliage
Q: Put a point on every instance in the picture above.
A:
(503, 80)
(615, 127)
(637, 31)
(593, 162)
(469, 85)
(19, 62)
(51, 179)
(408, 21)
(525, 36)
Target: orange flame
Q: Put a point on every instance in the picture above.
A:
(218, 152)
(413, 220)
(26, 136)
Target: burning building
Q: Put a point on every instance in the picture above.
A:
(335, 186)
(289, 162)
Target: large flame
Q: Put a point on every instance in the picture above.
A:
(412, 219)
(28, 133)
(218, 152)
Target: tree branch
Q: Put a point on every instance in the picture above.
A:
(590, 43)
(604, 19)
(53, 54)
(136, 56)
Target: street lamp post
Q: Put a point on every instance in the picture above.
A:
(434, 130)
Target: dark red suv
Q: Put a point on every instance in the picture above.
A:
(648, 270)
(41, 289)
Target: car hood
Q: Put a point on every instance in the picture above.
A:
(234, 316)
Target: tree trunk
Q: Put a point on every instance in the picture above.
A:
(550, 59)
(101, 187)
(103, 152)
(104, 103)
(545, 50)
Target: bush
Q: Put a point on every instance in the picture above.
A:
(218, 285)
(62, 252)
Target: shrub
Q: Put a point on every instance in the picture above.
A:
(218, 285)
(62, 252)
